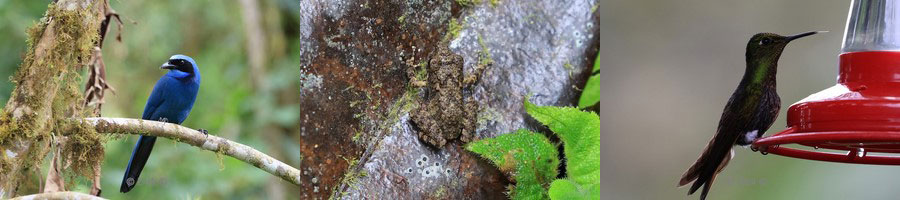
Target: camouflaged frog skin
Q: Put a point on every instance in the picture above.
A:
(445, 113)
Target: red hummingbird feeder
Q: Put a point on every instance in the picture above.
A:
(861, 114)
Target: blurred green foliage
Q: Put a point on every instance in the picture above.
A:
(19, 15)
(228, 105)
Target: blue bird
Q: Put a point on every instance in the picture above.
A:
(171, 101)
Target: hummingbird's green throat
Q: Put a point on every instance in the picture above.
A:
(763, 51)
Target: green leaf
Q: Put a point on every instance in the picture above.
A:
(529, 156)
(567, 189)
(580, 133)
(591, 93)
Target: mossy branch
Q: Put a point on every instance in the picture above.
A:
(195, 138)
(46, 84)
(59, 195)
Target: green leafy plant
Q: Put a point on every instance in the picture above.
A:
(528, 156)
(531, 159)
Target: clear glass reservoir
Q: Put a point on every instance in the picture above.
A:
(872, 26)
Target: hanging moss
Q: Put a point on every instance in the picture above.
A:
(83, 150)
(48, 95)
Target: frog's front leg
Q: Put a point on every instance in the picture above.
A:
(470, 120)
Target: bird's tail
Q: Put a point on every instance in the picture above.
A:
(703, 172)
(136, 164)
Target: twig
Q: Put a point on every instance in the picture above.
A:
(58, 195)
(195, 138)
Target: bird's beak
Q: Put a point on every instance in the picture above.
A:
(167, 66)
(793, 37)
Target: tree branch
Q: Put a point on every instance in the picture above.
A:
(59, 195)
(195, 138)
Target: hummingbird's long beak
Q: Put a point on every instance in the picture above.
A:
(793, 37)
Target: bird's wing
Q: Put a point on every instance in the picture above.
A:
(694, 171)
(155, 100)
(735, 119)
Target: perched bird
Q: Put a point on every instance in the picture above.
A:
(171, 101)
(749, 113)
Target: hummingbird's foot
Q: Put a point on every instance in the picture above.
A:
(204, 131)
(763, 151)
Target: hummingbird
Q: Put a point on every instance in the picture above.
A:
(749, 113)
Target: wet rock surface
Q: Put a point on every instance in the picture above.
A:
(357, 136)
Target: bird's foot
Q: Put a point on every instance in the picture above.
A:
(204, 131)
(163, 119)
(763, 151)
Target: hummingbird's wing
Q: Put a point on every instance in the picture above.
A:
(735, 121)
(692, 173)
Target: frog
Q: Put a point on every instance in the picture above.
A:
(447, 110)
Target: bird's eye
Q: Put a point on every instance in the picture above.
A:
(177, 62)
(765, 41)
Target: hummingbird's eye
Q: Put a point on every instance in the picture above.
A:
(765, 41)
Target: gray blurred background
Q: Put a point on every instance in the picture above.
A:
(667, 70)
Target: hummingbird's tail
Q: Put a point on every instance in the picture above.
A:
(703, 172)
(136, 164)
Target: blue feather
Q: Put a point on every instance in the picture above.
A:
(171, 101)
